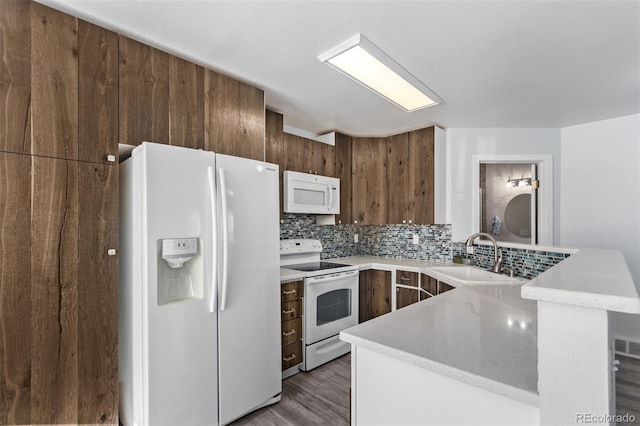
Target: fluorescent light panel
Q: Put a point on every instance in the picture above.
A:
(362, 61)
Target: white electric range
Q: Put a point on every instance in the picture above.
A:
(330, 300)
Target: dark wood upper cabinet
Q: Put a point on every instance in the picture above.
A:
(143, 93)
(344, 155)
(98, 93)
(234, 117)
(54, 83)
(399, 184)
(274, 147)
(421, 162)
(186, 103)
(309, 156)
(15, 76)
(392, 179)
(369, 181)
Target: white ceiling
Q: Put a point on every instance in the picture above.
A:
(495, 64)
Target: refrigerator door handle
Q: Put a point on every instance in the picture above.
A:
(225, 238)
(214, 258)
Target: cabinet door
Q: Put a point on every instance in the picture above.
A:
(97, 293)
(98, 93)
(143, 93)
(15, 79)
(400, 182)
(369, 181)
(444, 287)
(429, 284)
(421, 157)
(274, 148)
(406, 296)
(234, 117)
(344, 154)
(375, 294)
(15, 289)
(308, 156)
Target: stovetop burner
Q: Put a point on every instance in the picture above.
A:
(316, 266)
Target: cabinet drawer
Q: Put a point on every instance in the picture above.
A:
(407, 278)
(291, 331)
(291, 309)
(291, 291)
(291, 355)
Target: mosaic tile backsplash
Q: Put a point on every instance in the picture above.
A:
(374, 240)
(524, 263)
(396, 241)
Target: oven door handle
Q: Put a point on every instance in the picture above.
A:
(329, 278)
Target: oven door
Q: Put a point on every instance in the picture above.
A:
(331, 305)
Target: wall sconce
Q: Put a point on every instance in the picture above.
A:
(523, 181)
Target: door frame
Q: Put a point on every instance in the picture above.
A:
(545, 191)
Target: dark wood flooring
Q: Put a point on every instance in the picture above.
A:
(319, 397)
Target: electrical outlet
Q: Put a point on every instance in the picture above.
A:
(470, 250)
(416, 239)
(355, 238)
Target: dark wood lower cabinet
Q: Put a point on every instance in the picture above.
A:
(291, 303)
(406, 296)
(58, 291)
(375, 294)
(410, 294)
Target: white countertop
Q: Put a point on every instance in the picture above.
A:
(463, 334)
(288, 275)
(590, 278)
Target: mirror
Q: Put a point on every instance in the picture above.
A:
(517, 215)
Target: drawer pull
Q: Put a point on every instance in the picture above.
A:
(289, 333)
(285, 292)
(405, 279)
(290, 311)
(290, 358)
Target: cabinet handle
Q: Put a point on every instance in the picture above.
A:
(289, 333)
(290, 311)
(111, 252)
(285, 292)
(111, 158)
(405, 279)
(287, 359)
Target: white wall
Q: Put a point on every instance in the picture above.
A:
(464, 143)
(600, 194)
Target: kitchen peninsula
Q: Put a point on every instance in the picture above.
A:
(492, 355)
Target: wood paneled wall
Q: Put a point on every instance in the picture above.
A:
(69, 92)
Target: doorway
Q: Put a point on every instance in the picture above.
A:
(520, 174)
(508, 198)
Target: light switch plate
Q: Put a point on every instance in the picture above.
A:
(470, 250)
(355, 238)
(416, 239)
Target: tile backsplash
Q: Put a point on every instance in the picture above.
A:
(524, 262)
(397, 241)
(373, 240)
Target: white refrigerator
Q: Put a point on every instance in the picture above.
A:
(199, 318)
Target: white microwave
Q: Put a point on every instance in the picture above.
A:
(307, 193)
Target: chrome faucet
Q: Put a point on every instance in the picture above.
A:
(497, 253)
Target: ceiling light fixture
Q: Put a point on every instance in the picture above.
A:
(363, 62)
